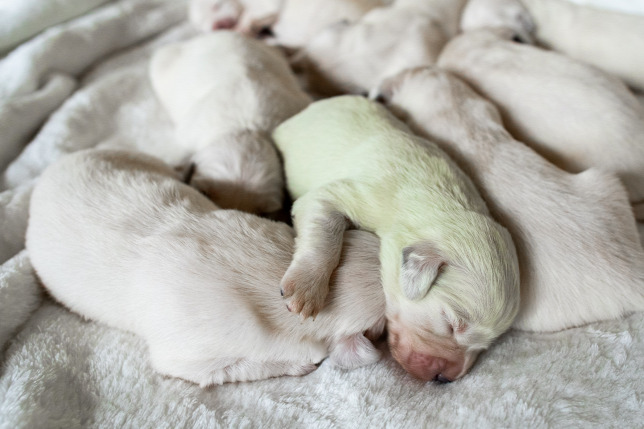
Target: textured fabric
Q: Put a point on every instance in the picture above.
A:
(83, 83)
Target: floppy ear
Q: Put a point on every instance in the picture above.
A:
(421, 266)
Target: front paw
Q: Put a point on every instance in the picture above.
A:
(306, 287)
(212, 15)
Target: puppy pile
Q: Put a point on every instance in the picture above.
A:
(485, 184)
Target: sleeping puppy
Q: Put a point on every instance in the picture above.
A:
(609, 40)
(579, 252)
(354, 57)
(246, 16)
(449, 271)
(118, 239)
(571, 113)
(226, 93)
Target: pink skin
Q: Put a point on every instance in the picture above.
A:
(427, 356)
(224, 24)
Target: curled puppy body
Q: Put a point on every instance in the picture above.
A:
(354, 57)
(449, 271)
(300, 20)
(118, 239)
(226, 93)
(246, 16)
(579, 252)
(573, 114)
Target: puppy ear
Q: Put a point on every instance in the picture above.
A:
(421, 265)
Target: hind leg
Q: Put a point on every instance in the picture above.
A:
(228, 370)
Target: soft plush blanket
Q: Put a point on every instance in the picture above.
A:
(77, 78)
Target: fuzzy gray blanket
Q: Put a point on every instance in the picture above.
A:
(82, 82)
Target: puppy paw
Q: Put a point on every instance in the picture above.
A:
(306, 288)
(211, 15)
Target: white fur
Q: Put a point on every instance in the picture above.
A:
(579, 252)
(607, 39)
(573, 114)
(610, 40)
(354, 57)
(300, 20)
(498, 14)
(289, 22)
(118, 239)
(226, 93)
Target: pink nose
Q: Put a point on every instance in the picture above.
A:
(427, 367)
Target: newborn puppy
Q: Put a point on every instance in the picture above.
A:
(571, 113)
(246, 16)
(226, 93)
(449, 271)
(116, 238)
(300, 20)
(579, 252)
(354, 57)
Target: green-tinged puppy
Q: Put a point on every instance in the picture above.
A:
(449, 271)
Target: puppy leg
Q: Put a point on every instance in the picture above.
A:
(228, 370)
(320, 223)
(353, 352)
(247, 370)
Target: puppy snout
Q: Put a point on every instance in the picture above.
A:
(428, 367)
(424, 366)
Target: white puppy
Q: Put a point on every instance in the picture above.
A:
(116, 238)
(226, 93)
(246, 16)
(573, 114)
(449, 271)
(354, 57)
(579, 252)
(610, 40)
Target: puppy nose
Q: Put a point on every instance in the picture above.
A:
(441, 379)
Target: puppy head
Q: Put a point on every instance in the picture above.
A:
(351, 57)
(323, 61)
(241, 171)
(508, 14)
(455, 296)
(426, 96)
